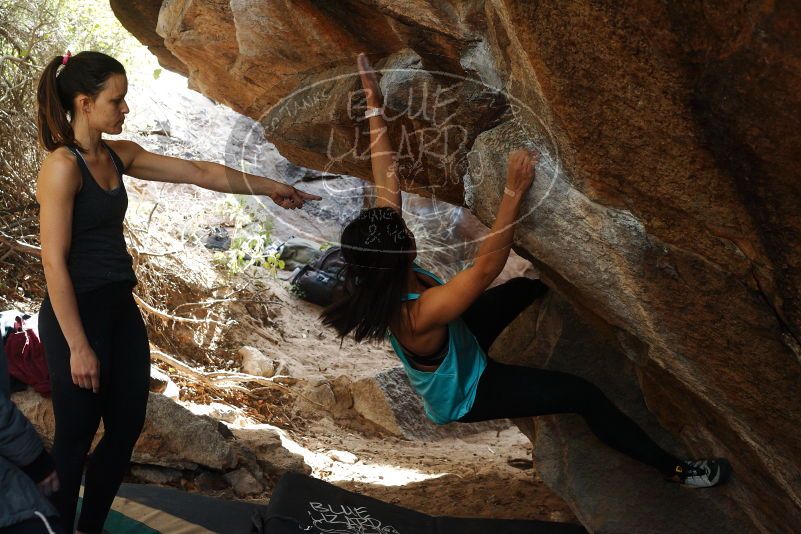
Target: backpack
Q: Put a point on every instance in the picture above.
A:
(297, 252)
(322, 281)
(26, 358)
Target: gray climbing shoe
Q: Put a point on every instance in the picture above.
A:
(702, 473)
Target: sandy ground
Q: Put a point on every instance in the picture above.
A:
(485, 475)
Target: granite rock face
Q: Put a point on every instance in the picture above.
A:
(667, 211)
(617, 494)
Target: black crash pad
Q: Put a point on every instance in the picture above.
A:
(304, 504)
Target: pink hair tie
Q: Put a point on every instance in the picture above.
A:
(66, 58)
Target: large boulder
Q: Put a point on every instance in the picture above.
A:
(388, 400)
(269, 452)
(141, 19)
(174, 438)
(571, 459)
(667, 210)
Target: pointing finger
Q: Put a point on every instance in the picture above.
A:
(309, 196)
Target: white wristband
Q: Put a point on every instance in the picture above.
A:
(507, 191)
(372, 112)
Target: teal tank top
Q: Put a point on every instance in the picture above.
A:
(449, 391)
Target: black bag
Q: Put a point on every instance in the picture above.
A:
(321, 282)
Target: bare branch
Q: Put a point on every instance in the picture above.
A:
(20, 60)
(223, 379)
(8, 37)
(19, 246)
(164, 315)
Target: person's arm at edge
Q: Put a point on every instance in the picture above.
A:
(20, 443)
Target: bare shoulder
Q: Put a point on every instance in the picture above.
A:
(126, 150)
(59, 165)
(58, 172)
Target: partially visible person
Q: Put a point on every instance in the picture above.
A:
(27, 475)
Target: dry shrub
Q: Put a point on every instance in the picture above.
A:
(32, 32)
(26, 44)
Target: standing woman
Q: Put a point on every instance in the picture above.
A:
(94, 337)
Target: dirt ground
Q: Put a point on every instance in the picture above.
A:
(486, 475)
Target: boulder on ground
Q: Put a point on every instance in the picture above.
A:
(254, 362)
(243, 483)
(272, 456)
(175, 440)
(388, 400)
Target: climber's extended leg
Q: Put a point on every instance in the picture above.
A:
(509, 391)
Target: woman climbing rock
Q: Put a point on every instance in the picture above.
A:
(441, 332)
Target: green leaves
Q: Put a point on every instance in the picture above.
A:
(249, 251)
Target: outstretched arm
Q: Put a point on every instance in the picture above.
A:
(140, 163)
(382, 154)
(442, 304)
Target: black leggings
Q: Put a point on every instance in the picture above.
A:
(508, 391)
(117, 334)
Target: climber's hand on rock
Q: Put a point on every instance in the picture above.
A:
(520, 170)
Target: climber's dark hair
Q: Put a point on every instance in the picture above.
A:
(85, 73)
(378, 250)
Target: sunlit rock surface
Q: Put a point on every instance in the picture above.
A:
(666, 212)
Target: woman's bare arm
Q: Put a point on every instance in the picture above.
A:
(442, 304)
(57, 184)
(382, 153)
(146, 165)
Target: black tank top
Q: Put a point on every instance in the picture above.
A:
(98, 254)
